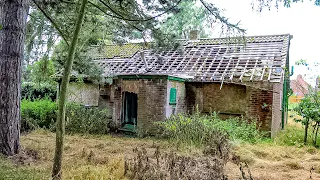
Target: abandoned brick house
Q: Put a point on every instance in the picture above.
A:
(222, 75)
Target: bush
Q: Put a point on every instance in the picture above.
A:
(34, 91)
(41, 113)
(239, 129)
(197, 129)
(92, 120)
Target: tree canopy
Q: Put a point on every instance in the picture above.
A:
(268, 4)
(50, 26)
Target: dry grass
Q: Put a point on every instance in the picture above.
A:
(276, 160)
(87, 157)
(268, 161)
(102, 157)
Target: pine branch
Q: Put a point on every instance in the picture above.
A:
(220, 18)
(55, 25)
(140, 20)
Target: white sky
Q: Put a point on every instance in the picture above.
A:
(300, 20)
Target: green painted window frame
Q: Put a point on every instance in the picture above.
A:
(173, 96)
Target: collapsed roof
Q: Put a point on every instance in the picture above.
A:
(254, 58)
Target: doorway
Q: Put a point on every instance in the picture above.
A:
(129, 107)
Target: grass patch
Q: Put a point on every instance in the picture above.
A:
(8, 170)
(291, 136)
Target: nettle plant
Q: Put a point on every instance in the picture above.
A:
(309, 111)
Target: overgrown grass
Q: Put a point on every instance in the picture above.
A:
(196, 129)
(103, 157)
(293, 133)
(293, 136)
(8, 170)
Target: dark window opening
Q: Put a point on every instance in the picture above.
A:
(129, 108)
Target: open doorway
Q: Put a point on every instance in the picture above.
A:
(129, 110)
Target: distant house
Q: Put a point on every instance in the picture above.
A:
(235, 79)
(299, 89)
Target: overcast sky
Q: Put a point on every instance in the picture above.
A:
(300, 20)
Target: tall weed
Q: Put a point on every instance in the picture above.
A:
(196, 129)
(92, 120)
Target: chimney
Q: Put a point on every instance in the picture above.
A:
(193, 35)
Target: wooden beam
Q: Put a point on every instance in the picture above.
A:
(254, 70)
(231, 77)
(244, 70)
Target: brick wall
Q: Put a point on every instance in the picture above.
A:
(117, 103)
(259, 107)
(151, 102)
(151, 95)
(83, 93)
(106, 98)
(180, 107)
(230, 99)
(194, 97)
(208, 97)
(276, 108)
(252, 102)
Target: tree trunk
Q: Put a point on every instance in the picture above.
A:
(60, 130)
(306, 132)
(316, 135)
(13, 17)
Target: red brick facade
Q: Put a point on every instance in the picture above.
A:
(231, 100)
(237, 100)
(260, 107)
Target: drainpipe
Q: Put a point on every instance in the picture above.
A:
(291, 73)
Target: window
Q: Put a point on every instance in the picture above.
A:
(173, 96)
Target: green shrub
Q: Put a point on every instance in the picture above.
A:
(239, 129)
(92, 120)
(197, 129)
(33, 91)
(41, 113)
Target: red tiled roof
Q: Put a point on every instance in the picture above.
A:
(299, 86)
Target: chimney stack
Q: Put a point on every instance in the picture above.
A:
(193, 35)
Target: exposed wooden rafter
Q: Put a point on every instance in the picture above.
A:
(262, 58)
